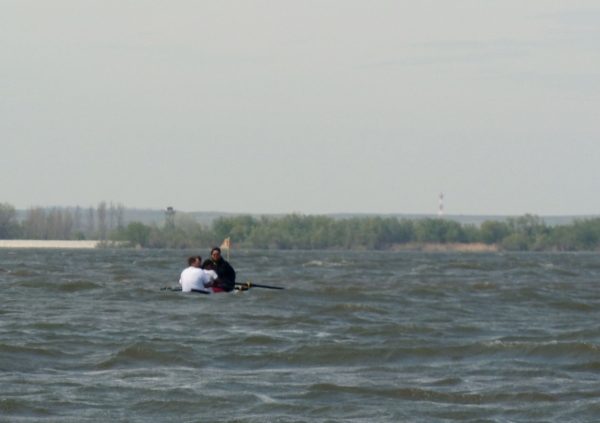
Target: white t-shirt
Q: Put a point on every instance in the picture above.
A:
(211, 274)
(193, 278)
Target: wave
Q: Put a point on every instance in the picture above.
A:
(588, 367)
(22, 351)
(77, 286)
(485, 286)
(532, 265)
(124, 277)
(36, 283)
(25, 359)
(553, 349)
(201, 403)
(356, 307)
(564, 272)
(319, 263)
(452, 381)
(328, 352)
(320, 390)
(161, 264)
(51, 328)
(260, 340)
(22, 272)
(143, 354)
(49, 285)
(14, 406)
(424, 267)
(573, 305)
(467, 266)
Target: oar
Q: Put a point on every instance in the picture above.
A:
(240, 288)
(255, 285)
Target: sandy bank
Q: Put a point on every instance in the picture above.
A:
(28, 243)
(473, 247)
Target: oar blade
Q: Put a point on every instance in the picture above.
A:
(170, 288)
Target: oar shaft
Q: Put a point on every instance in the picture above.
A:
(255, 285)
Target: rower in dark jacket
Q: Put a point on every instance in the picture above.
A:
(223, 269)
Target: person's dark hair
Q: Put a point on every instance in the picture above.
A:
(192, 259)
(207, 263)
(215, 249)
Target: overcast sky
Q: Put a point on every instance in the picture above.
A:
(302, 106)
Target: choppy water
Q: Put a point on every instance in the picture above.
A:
(87, 336)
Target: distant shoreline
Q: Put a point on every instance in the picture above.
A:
(29, 243)
(58, 244)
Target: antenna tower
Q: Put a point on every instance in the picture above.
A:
(170, 218)
(441, 209)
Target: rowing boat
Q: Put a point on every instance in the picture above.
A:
(238, 287)
(198, 291)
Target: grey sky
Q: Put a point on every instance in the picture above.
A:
(306, 106)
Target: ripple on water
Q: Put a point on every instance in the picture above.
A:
(19, 350)
(564, 272)
(75, 286)
(412, 394)
(552, 349)
(26, 358)
(124, 277)
(23, 273)
(573, 305)
(452, 381)
(319, 263)
(466, 266)
(433, 337)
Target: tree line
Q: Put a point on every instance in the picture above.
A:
(96, 223)
(106, 222)
(524, 233)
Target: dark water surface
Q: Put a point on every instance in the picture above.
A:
(86, 336)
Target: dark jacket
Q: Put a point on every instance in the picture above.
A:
(225, 273)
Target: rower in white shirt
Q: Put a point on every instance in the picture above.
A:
(194, 279)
